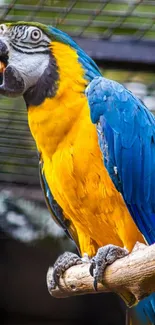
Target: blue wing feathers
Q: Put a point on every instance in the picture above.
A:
(126, 131)
(129, 131)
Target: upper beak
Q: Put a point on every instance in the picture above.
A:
(11, 81)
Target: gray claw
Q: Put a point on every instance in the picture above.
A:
(63, 262)
(95, 283)
(106, 255)
(92, 267)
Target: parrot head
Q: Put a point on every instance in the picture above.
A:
(27, 64)
(25, 57)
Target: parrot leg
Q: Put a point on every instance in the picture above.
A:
(63, 263)
(105, 256)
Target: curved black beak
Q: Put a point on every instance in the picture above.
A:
(11, 81)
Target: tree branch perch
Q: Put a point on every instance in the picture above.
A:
(132, 277)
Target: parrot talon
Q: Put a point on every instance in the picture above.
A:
(63, 263)
(105, 256)
(95, 284)
(92, 267)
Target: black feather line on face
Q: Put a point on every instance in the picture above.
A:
(29, 51)
(46, 86)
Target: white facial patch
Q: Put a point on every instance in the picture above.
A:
(30, 66)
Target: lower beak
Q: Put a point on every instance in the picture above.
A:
(2, 67)
(12, 83)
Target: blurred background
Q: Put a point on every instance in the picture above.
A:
(120, 36)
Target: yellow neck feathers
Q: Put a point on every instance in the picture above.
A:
(52, 120)
(71, 73)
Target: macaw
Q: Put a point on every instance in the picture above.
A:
(79, 139)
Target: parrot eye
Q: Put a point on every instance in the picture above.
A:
(35, 34)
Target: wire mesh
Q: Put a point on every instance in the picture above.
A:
(98, 19)
(18, 157)
(105, 19)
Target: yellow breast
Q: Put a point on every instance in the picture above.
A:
(74, 169)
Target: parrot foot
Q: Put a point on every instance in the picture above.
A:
(63, 263)
(105, 256)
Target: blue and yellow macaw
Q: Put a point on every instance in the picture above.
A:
(77, 117)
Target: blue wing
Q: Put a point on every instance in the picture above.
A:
(126, 132)
(55, 209)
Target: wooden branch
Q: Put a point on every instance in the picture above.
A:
(132, 277)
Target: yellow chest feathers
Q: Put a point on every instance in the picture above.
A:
(73, 164)
(76, 175)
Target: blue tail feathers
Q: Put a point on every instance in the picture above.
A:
(144, 312)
